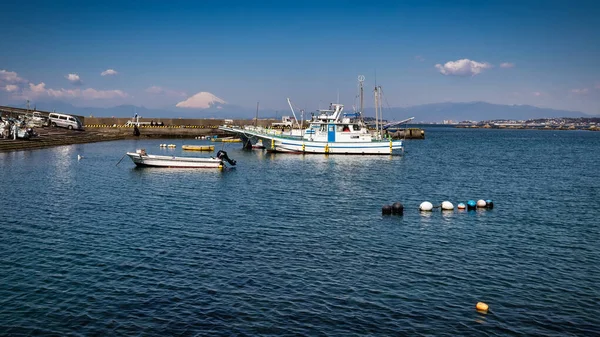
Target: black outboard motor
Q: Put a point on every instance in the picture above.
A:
(223, 156)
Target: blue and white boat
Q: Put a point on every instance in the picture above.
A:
(330, 131)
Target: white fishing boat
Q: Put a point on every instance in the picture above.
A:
(142, 159)
(258, 145)
(331, 131)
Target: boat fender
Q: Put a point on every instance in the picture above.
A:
(489, 204)
(447, 206)
(386, 210)
(426, 206)
(481, 203)
(471, 204)
(397, 208)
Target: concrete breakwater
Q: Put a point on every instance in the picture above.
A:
(198, 123)
(49, 137)
(107, 129)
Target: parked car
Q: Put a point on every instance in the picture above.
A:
(36, 119)
(65, 121)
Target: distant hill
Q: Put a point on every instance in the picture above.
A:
(437, 112)
(476, 111)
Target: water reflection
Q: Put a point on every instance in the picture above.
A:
(60, 164)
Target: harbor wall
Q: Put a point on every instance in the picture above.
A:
(170, 122)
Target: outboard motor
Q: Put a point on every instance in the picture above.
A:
(223, 156)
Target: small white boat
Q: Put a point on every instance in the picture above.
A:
(198, 147)
(259, 145)
(142, 159)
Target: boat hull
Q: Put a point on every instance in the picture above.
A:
(169, 161)
(291, 144)
(374, 147)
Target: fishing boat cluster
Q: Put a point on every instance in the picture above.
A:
(329, 131)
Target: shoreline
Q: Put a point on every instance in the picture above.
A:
(52, 137)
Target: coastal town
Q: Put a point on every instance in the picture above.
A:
(580, 123)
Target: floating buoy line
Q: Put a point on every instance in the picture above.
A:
(398, 209)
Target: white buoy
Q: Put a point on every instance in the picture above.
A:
(461, 206)
(426, 206)
(447, 206)
(79, 157)
(481, 203)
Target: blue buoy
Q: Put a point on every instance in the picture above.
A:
(489, 204)
(471, 204)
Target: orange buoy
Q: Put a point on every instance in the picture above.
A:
(481, 306)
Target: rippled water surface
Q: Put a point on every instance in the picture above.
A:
(297, 245)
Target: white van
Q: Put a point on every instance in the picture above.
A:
(65, 121)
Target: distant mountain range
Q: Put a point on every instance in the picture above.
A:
(437, 112)
(472, 111)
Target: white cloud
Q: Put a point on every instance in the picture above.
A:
(37, 89)
(464, 67)
(164, 91)
(537, 93)
(40, 90)
(583, 91)
(74, 79)
(11, 87)
(419, 58)
(507, 65)
(109, 72)
(10, 77)
(201, 100)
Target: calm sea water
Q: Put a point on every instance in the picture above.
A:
(297, 245)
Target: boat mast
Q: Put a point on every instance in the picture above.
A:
(376, 115)
(293, 113)
(380, 100)
(361, 79)
(256, 118)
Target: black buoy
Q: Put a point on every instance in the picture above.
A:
(386, 210)
(489, 204)
(397, 208)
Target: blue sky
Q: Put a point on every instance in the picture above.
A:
(543, 53)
